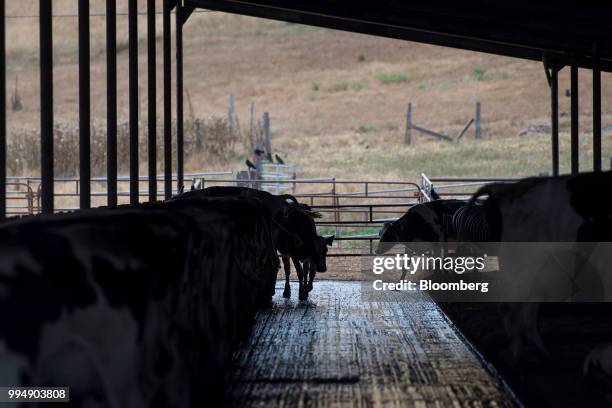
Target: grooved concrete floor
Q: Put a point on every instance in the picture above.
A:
(337, 349)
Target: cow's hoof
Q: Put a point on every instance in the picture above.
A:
(303, 294)
(287, 293)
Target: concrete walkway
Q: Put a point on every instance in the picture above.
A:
(339, 350)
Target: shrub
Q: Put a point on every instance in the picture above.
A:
(210, 137)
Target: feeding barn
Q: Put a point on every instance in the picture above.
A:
(177, 298)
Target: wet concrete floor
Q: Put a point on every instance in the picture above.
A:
(337, 349)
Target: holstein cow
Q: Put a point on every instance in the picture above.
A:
(294, 232)
(138, 306)
(565, 209)
(421, 223)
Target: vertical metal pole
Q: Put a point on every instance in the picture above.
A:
(46, 105)
(2, 113)
(152, 95)
(167, 103)
(554, 119)
(84, 106)
(179, 95)
(133, 97)
(596, 111)
(111, 102)
(478, 133)
(574, 116)
(408, 135)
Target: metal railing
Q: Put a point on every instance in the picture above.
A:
(353, 210)
(457, 187)
(26, 191)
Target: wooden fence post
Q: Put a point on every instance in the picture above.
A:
(230, 113)
(266, 129)
(408, 135)
(477, 134)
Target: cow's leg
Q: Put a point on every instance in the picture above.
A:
(312, 271)
(521, 324)
(303, 293)
(287, 267)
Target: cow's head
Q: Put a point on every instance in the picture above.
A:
(320, 252)
(388, 235)
(410, 228)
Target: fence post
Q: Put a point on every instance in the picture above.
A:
(408, 135)
(477, 134)
(230, 113)
(266, 129)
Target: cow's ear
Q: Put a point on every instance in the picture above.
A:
(329, 240)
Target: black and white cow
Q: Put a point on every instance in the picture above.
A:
(421, 223)
(138, 306)
(567, 209)
(295, 235)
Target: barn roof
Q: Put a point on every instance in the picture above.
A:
(529, 29)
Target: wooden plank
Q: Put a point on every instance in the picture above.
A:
(431, 133)
(465, 128)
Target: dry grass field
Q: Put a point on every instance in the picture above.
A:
(337, 100)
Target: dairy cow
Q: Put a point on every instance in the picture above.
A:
(423, 222)
(565, 209)
(133, 307)
(294, 233)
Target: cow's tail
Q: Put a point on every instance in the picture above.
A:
(492, 212)
(305, 208)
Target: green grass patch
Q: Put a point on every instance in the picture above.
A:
(341, 85)
(392, 77)
(427, 84)
(368, 128)
(344, 85)
(479, 73)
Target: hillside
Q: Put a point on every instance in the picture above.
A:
(337, 100)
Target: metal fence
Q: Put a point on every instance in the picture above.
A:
(353, 210)
(24, 192)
